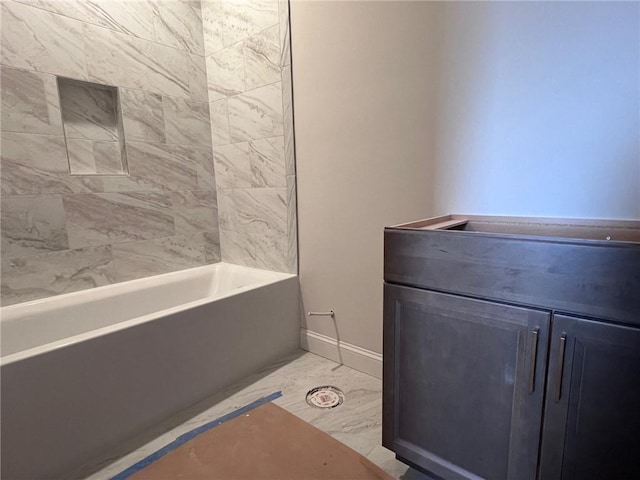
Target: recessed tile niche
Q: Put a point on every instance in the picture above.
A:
(93, 130)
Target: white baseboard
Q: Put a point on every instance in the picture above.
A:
(353, 356)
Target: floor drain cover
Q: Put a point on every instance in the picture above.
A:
(325, 397)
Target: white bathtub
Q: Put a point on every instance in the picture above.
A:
(85, 371)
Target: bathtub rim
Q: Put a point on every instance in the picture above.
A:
(271, 277)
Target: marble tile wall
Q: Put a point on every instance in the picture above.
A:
(92, 128)
(63, 232)
(248, 66)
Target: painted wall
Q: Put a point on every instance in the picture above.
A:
(62, 233)
(410, 109)
(538, 109)
(363, 96)
(249, 84)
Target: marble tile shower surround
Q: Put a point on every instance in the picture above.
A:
(193, 105)
(249, 85)
(93, 128)
(63, 232)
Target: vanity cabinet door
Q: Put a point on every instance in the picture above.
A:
(463, 384)
(592, 413)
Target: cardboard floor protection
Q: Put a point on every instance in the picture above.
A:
(266, 443)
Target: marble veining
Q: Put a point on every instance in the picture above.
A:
(271, 251)
(33, 164)
(267, 162)
(81, 158)
(232, 164)
(153, 257)
(247, 49)
(261, 210)
(171, 116)
(287, 109)
(262, 58)
(236, 211)
(186, 121)
(211, 246)
(292, 225)
(118, 59)
(88, 112)
(108, 157)
(195, 211)
(205, 171)
(107, 218)
(103, 192)
(227, 212)
(179, 24)
(256, 114)
(237, 248)
(142, 116)
(219, 112)
(285, 40)
(32, 224)
(37, 40)
(213, 23)
(38, 165)
(130, 17)
(225, 72)
(39, 276)
(169, 166)
(125, 183)
(198, 87)
(29, 102)
(92, 128)
(244, 18)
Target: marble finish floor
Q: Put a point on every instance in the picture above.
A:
(356, 423)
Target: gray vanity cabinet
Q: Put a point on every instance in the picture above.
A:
(512, 348)
(592, 414)
(464, 399)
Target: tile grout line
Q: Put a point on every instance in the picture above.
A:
(121, 32)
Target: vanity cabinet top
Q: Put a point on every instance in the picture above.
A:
(578, 267)
(577, 229)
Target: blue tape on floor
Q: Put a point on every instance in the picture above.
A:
(184, 438)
